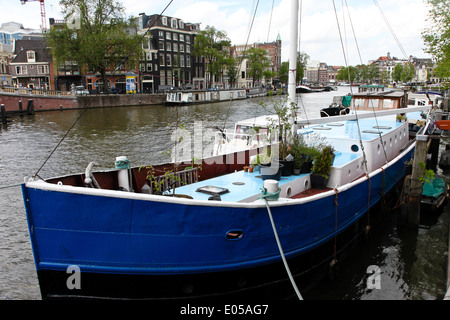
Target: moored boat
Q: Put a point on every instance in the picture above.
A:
(210, 229)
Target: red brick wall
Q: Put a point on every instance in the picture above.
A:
(11, 102)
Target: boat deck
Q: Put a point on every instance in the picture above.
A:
(243, 186)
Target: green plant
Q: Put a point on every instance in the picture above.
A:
(322, 163)
(428, 175)
(306, 147)
(283, 122)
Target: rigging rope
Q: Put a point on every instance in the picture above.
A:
(92, 99)
(351, 90)
(391, 29)
(360, 58)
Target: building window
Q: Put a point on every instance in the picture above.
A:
(188, 39)
(21, 70)
(161, 60)
(169, 60)
(188, 49)
(162, 78)
(181, 47)
(161, 45)
(182, 37)
(181, 24)
(149, 67)
(188, 61)
(168, 36)
(181, 61)
(43, 69)
(161, 35)
(31, 56)
(174, 23)
(175, 37)
(164, 21)
(175, 47)
(168, 46)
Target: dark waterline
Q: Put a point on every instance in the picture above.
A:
(413, 264)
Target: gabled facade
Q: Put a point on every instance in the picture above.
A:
(5, 60)
(32, 64)
(168, 61)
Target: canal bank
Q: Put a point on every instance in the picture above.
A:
(54, 100)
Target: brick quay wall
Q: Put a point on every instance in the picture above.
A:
(55, 102)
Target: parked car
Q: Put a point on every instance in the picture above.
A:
(116, 90)
(80, 90)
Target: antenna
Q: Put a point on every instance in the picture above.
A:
(43, 15)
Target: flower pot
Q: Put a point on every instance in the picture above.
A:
(268, 172)
(306, 167)
(287, 167)
(296, 171)
(318, 182)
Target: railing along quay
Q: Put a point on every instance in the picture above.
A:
(35, 92)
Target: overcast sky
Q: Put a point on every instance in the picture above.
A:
(319, 29)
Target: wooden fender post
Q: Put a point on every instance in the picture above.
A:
(415, 191)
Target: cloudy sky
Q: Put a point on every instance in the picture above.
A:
(319, 38)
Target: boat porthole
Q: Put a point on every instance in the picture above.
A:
(234, 235)
(306, 184)
(390, 142)
(288, 192)
(395, 141)
(355, 148)
(378, 148)
(349, 173)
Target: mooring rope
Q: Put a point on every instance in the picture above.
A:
(280, 248)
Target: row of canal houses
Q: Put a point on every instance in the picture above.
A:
(26, 61)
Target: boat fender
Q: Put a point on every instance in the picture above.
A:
(123, 165)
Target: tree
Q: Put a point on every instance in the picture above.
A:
(437, 36)
(104, 39)
(302, 62)
(258, 61)
(210, 44)
(397, 73)
(344, 73)
(408, 73)
(283, 74)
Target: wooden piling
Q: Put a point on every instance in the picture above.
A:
(3, 111)
(415, 189)
(30, 106)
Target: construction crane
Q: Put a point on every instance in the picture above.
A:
(43, 15)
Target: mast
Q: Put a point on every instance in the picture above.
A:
(293, 55)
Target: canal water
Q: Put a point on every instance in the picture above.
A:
(412, 264)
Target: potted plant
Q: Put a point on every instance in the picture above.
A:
(283, 124)
(305, 149)
(322, 167)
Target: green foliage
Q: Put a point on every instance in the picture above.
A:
(210, 44)
(322, 163)
(102, 39)
(437, 35)
(258, 62)
(285, 116)
(428, 175)
(306, 147)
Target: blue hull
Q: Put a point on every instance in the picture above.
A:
(132, 235)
